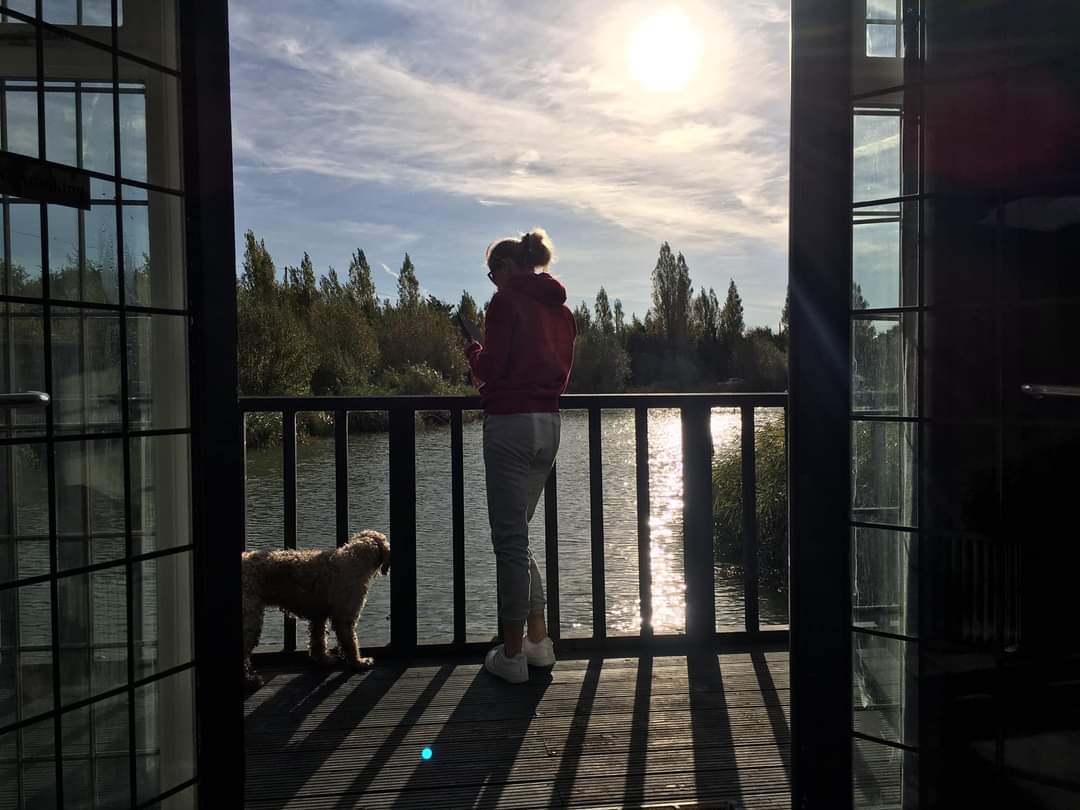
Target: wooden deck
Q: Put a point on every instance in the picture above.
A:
(708, 731)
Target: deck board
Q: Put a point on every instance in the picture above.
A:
(665, 731)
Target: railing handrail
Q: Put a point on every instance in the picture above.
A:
(446, 402)
(697, 501)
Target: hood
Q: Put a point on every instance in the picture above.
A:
(540, 286)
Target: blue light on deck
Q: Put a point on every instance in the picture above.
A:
(426, 753)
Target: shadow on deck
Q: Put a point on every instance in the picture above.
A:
(709, 730)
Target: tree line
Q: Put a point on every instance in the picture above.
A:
(300, 335)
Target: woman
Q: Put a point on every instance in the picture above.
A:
(522, 369)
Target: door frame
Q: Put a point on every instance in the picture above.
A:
(217, 435)
(819, 402)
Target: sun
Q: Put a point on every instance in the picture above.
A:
(664, 51)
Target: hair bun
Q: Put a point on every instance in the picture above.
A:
(536, 249)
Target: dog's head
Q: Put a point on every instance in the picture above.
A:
(384, 553)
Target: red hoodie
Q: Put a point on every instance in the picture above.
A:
(524, 364)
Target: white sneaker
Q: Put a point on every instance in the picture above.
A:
(539, 653)
(514, 669)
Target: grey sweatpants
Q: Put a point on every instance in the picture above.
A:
(519, 450)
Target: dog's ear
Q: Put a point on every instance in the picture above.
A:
(384, 555)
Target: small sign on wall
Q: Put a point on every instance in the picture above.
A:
(41, 181)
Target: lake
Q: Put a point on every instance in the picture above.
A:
(369, 507)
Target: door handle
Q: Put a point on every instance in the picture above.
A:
(1040, 391)
(25, 399)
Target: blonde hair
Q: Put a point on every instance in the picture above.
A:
(529, 251)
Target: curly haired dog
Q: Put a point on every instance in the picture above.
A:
(313, 585)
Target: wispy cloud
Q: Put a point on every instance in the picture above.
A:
(523, 110)
(485, 104)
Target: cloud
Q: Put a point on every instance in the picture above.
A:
(453, 99)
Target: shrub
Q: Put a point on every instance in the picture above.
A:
(771, 469)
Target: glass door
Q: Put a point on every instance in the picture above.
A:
(96, 548)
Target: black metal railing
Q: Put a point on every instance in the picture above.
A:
(697, 452)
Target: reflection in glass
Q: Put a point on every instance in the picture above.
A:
(884, 590)
(875, 249)
(25, 269)
(882, 472)
(884, 705)
(89, 502)
(93, 633)
(96, 752)
(100, 276)
(160, 492)
(882, 365)
(162, 590)
(881, 40)
(133, 135)
(25, 674)
(881, 9)
(24, 517)
(884, 778)
(876, 156)
(60, 127)
(154, 248)
(157, 378)
(22, 366)
(86, 370)
(21, 119)
(97, 129)
(164, 734)
(65, 280)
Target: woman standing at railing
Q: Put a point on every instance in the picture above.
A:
(522, 369)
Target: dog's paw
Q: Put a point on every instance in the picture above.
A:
(361, 664)
(324, 661)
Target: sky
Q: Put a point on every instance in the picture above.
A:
(434, 128)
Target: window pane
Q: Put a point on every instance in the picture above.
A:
(164, 734)
(99, 12)
(97, 131)
(884, 593)
(163, 614)
(93, 633)
(24, 518)
(38, 777)
(86, 370)
(881, 40)
(60, 127)
(25, 271)
(22, 366)
(100, 281)
(882, 473)
(885, 778)
(154, 250)
(876, 157)
(157, 371)
(160, 492)
(96, 752)
(25, 6)
(150, 31)
(881, 9)
(64, 275)
(60, 12)
(133, 136)
(883, 687)
(25, 675)
(22, 117)
(150, 125)
(89, 502)
(883, 365)
(875, 249)
(70, 60)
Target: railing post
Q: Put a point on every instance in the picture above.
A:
(288, 441)
(403, 530)
(341, 475)
(596, 520)
(749, 521)
(551, 552)
(698, 521)
(457, 468)
(641, 447)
